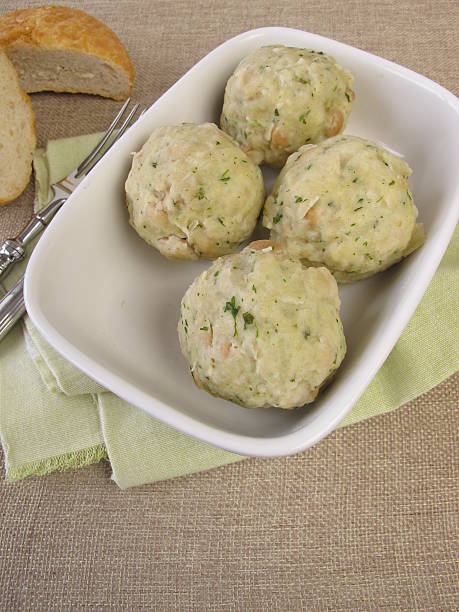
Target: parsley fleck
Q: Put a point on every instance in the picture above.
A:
(220, 220)
(200, 193)
(154, 164)
(302, 117)
(217, 273)
(276, 112)
(254, 289)
(217, 142)
(356, 209)
(248, 319)
(348, 98)
(231, 307)
(298, 199)
(204, 328)
(307, 333)
(355, 179)
(277, 218)
(224, 177)
(392, 183)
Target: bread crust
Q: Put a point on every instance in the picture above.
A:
(58, 27)
(26, 100)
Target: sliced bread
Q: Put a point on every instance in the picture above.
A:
(55, 48)
(17, 133)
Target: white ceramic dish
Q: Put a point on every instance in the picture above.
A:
(109, 303)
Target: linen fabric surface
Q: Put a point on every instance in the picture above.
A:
(367, 519)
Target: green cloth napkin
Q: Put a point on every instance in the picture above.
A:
(54, 417)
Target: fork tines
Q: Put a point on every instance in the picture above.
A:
(88, 163)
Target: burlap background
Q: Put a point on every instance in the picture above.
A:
(367, 519)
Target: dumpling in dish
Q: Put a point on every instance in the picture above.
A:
(280, 98)
(193, 193)
(259, 329)
(345, 204)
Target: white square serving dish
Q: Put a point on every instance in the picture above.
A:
(110, 304)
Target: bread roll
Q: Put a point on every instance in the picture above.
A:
(17, 133)
(55, 48)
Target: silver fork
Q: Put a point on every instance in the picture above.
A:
(12, 250)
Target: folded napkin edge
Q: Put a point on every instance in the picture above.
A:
(59, 463)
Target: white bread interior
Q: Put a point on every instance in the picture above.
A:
(67, 70)
(17, 134)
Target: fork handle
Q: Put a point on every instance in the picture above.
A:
(13, 250)
(12, 308)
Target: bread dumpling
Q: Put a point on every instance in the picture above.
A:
(260, 330)
(345, 204)
(280, 98)
(193, 193)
